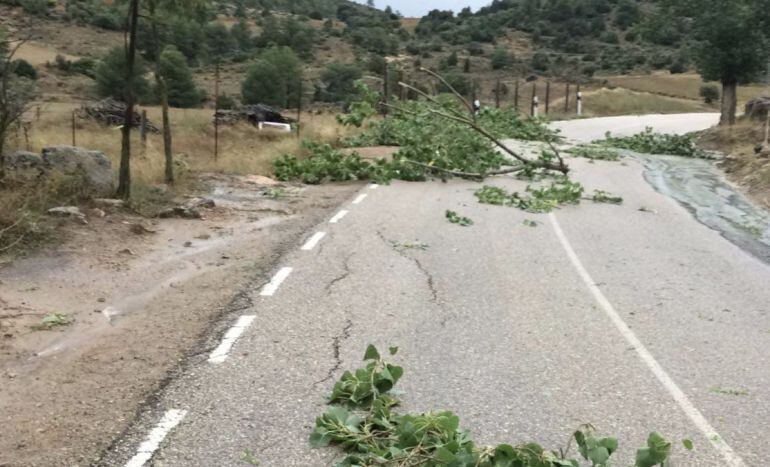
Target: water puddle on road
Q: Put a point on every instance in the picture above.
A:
(701, 187)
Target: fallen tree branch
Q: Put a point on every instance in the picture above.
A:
(469, 175)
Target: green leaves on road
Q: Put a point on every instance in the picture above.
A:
(455, 218)
(363, 424)
(649, 142)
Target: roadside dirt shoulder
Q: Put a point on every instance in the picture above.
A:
(140, 299)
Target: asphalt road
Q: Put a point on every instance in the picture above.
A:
(633, 320)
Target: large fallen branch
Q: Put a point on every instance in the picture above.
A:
(435, 108)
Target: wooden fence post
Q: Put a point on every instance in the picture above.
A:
(386, 90)
(497, 94)
(516, 96)
(534, 100)
(74, 141)
(299, 106)
(143, 131)
(547, 96)
(566, 100)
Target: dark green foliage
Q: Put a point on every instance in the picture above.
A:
(337, 82)
(501, 58)
(35, 7)
(227, 102)
(24, 69)
(180, 86)
(242, 35)
(219, 41)
(363, 423)
(451, 59)
(324, 164)
(272, 80)
(649, 142)
(709, 93)
(288, 32)
(110, 76)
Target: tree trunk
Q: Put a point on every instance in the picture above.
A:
(729, 102)
(124, 174)
(163, 92)
(2, 156)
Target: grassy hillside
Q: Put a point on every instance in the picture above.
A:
(622, 41)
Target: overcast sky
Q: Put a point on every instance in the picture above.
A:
(420, 7)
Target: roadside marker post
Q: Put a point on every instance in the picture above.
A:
(535, 103)
(579, 103)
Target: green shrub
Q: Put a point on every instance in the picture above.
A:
(110, 76)
(337, 83)
(710, 93)
(24, 69)
(273, 79)
(501, 58)
(180, 87)
(35, 7)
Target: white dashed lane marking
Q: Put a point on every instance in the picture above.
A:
(170, 420)
(313, 241)
(337, 217)
(731, 458)
(360, 198)
(220, 354)
(272, 287)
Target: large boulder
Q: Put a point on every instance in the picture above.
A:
(757, 109)
(93, 166)
(25, 165)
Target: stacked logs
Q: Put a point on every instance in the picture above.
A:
(111, 113)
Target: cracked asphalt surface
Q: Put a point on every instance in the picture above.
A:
(494, 322)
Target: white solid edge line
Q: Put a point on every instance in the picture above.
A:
(313, 241)
(360, 198)
(148, 447)
(731, 458)
(338, 216)
(272, 287)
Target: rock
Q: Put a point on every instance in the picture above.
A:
(25, 165)
(66, 211)
(126, 251)
(196, 203)
(93, 166)
(139, 229)
(261, 180)
(96, 212)
(71, 212)
(179, 211)
(757, 108)
(109, 202)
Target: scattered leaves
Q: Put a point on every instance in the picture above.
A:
(455, 218)
(605, 197)
(649, 142)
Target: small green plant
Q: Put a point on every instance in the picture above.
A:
(275, 193)
(248, 457)
(455, 218)
(52, 320)
(530, 223)
(595, 153)
(410, 246)
(605, 197)
(728, 391)
(650, 142)
(362, 422)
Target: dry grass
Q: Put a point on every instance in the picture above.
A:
(686, 86)
(611, 102)
(243, 149)
(743, 165)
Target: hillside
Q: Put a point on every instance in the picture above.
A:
(562, 39)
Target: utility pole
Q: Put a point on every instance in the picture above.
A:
(216, 111)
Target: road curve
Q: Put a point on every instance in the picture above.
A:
(633, 320)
